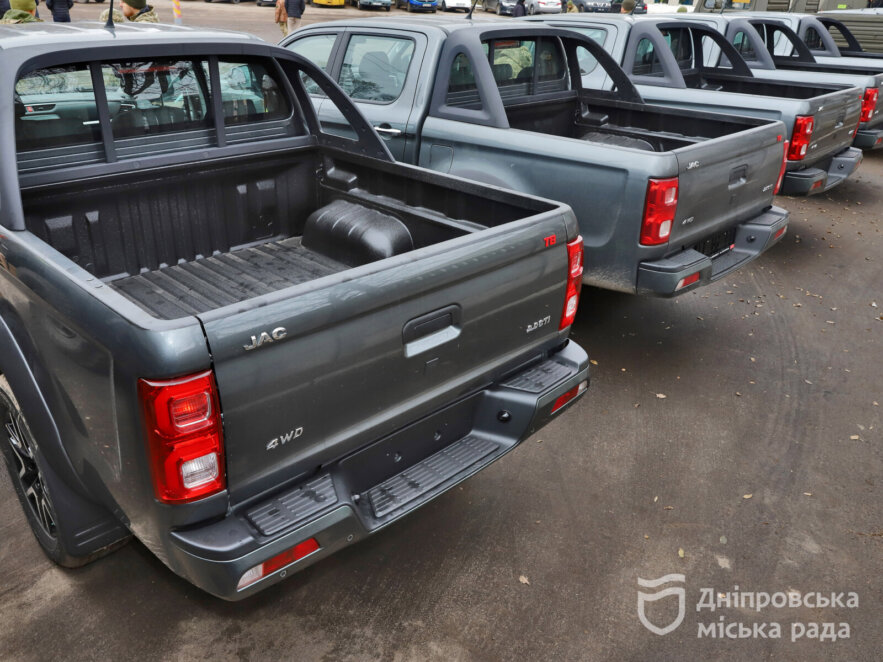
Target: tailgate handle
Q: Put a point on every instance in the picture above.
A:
(431, 330)
(738, 177)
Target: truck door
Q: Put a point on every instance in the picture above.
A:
(379, 72)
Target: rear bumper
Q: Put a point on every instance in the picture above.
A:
(810, 181)
(753, 238)
(362, 493)
(868, 139)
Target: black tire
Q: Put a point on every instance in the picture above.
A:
(444, 7)
(235, 2)
(388, 7)
(531, 10)
(35, 484)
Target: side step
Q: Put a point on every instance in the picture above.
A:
(419, 479)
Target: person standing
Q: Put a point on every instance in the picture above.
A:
(136, 11)
(281, 18)
(21, 11)
(61, 10)
(518, 11)
(4, 7)
(627, 7)
(294, 9)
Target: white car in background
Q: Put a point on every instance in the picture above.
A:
(542, 6)
(453, 5)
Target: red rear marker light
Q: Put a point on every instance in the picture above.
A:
(574, 282)
(289, 556)
(800, 137)
(688, 280)
(184, 437)
(659, 211)
(869, 103)
(562, 400)
(780, 232)
(781, 177)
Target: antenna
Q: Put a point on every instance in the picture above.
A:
(468, 16)
(109, 25)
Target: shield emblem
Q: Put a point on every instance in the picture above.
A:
(644, 598)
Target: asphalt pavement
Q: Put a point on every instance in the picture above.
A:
(731, 436)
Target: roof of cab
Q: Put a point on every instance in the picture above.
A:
(93, 33)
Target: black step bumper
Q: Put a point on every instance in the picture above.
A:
(666, 277)
(811, 181)
(868, 139)
(362, 493)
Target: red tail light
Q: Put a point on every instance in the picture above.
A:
(574, 281)
(184, 437)
(562, 400)
(869, 103)
(781, 177)
(659, 211)
(800, 138)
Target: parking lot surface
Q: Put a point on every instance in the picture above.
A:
(731, 436)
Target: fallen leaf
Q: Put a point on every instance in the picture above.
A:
(539, 441)
(524, 580)
(738, 394)
(854, 437)
(655, 499)
(747, 496)
(661, 396)
(669, 508)
(681, 552)
(753, 360)
(807, 381)
(646, 537)
(723, 540)
(807, 494)
(593, 362)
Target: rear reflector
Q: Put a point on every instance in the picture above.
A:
(289, 556)
(577, 390)
(780, 232)
(800, 137)
(688, 280)
(659, 211)
(816, 185)
(869, 103)
(574, 282)
(184, 438)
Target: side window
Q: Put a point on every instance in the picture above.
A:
(587, 61)
(374, 67)
(155, 97)
(646, 60)
(813, 40)
(462, 90)
(743, 45)
(317, 49)
(711, 54)
(251, 93)
(55, 107)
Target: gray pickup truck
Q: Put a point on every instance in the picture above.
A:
(664, 57)
(756, 38)
(245, 341)
(665, 203)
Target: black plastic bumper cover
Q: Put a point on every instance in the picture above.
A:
(753, 238)
(811, 181)
(868, 139)
(359, 495)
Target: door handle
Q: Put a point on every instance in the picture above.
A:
(388, 131)
(431, 330)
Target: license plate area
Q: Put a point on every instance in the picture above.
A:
(717, 244)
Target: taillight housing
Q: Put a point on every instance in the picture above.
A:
(574, 282)
(659, 211)
(781, 177)
(184, 437)
(869, 103)
(800, 137)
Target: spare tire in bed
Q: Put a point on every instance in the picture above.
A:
(619, 141)
(354, 234)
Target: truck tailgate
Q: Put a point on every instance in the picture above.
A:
(725, 181)
(836, 119)
(349, 358)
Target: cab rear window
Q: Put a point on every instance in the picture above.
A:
(154, 100)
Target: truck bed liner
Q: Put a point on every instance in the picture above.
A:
(201, 285)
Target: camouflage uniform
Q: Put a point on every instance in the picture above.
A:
(146, 15)
(18, 16)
